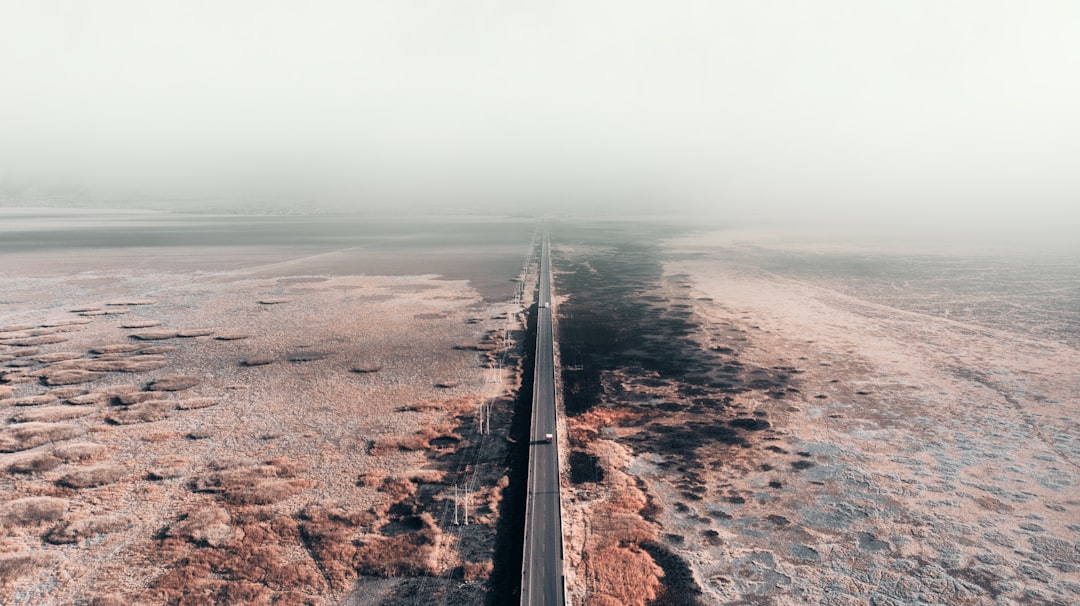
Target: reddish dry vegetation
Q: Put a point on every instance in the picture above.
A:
(14, 566)
(614, 567)
(239, 548)
(160, 507)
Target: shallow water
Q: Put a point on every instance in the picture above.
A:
(485, 250)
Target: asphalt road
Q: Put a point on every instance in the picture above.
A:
(542, 568)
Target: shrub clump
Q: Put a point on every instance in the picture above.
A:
(31, 511)
(91, 477)
(168, 467)
(147, 412)
(196, 403)
(36, 463)
(260, 484)
(409, 554)
(206, 526)
(79, 451)
(31, 400)
(70, 377)
(51, 414)
(25, 436)
(176, 383)
(75, 530)
(13, 566)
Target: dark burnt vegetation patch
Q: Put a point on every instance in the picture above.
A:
(626, 341)
(585, 467)
(634, 354)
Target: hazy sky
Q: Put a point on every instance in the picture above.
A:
(927, 108)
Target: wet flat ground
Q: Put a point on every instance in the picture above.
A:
(486, 251)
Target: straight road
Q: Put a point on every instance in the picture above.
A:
(542, 568)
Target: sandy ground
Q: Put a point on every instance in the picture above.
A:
(947, 454)
(180, 426)
(915, 458)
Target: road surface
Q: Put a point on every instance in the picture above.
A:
(542, 568)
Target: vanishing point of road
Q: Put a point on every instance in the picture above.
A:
(542, 566)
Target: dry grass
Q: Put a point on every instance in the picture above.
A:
(135, 397)
(32, 511)
(110, 599)
(477, 571)
(116, 348)
(104, 312)
(65, 322)
(248, 572)
(79, 451)
(92, 477)
(51, 414)
(621, 575)
(13, 566)
(71, 377)
(35, 463)
(167, 467)
(427, 476)
(233, 336)
(59, 356)
(410, 554)
(196, 403)
(613, 566)
(140, 324)
(255, 553)
(190, 333)
(31, 341)
(207, 525)
(330, 536)
(29, 400)
(120, 389)
(371, 478)
(363, 369)
(260, 484)
(63, 393)
(496, 495)
(89, 399)
(147, 412)
(25, 436)
(144, 363)
(76, 529)
(421, 440)
(155, 335)
(258, 360)
(18, 376)
(175, 383)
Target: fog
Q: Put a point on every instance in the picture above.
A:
(922, 115)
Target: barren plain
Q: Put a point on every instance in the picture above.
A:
(268, 415)
(759, 423)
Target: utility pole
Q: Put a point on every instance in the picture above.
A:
(466, 504)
